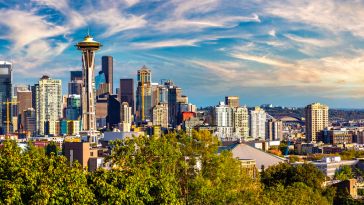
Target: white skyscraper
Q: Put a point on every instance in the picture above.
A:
(48, 104)
(257, 123)
(241, 121)
(224, 120)
(160, 115)
(125, 117)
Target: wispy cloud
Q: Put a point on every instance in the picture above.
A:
(334, 15)
(312, 41)
(262, 59)
(23, 28)
(162, 44)
(115, 21)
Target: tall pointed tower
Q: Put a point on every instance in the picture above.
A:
(88, 47)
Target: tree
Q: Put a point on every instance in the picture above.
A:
(295, 194)
(344, 173)
(52, 148)
(286, 174)
(31, 177)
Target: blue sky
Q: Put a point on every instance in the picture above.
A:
(288, 53)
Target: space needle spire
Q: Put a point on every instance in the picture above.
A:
(88, 47)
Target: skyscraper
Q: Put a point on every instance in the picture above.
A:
(125, 117)
(5, 91)
(274, 129)
(102, 88)
(257, 121)
(73, 109)
(30, 122)
(144, 94)
(88, 48)
(160, 115)
(163, 94)
(75, 84)
(232, 101)
(107, 69)
(241, 121)
(24, 98)
(49, 105)
(126, 92)
(155, 94)
(317, 119)
(76, 75)
(174, 97)
(113, 114)
(224, 120)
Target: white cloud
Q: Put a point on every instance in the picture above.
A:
(261, 59)
(185, 7)
(116, 22)
(272, 32)
(131, 2)
(333, 15)
(312, 41)
(166, 43)
(185, 25)
(26, 27)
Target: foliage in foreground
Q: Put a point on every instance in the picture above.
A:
(174, 169)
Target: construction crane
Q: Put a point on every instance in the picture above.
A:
(8, 103)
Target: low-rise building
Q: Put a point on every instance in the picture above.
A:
(244, 152)
(335, 137)
(330, 165)
(90, 158)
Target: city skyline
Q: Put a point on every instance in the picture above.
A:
(282, 52)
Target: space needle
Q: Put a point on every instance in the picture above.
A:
(88, 47)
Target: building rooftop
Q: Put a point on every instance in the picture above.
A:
(244, 151)
(5, 63)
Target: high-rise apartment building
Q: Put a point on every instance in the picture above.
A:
(241, 121)
(224, 120)
(126, 118)
(107, 69)
(49, 105)
(144, 94)
(257, 122)
(232, 101)
(274, 130)
(5, 91)
(317, 119)
(126, 92)
(160, 115)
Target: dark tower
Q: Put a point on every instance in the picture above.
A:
(126, 92)
(107, 69)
